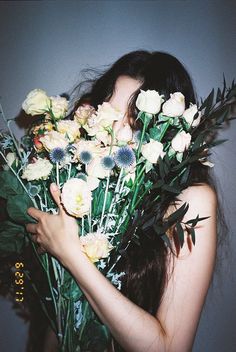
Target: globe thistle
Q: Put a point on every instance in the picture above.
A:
(85, 157)
(57, 155)
(108, 162)
(124, 157)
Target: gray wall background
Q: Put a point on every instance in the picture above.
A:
(45, 44)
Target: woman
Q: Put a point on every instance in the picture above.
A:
(162, 295)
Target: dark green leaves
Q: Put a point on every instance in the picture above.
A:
(12, 238)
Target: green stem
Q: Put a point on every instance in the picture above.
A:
(105, 200)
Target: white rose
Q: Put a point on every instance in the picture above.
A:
(124, 134)
(76, 197)
(149, 101)
(54, 139)
(92, 182)
(189, 114)
(181, 141)
(95, 168)
(37, 102)
(174, 106)
(152, 151)
(96, 246)
(59, 107)
(40, 169)
(70, 128)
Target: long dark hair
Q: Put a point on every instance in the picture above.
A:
(146, 265)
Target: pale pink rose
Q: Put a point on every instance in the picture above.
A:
(181, 141)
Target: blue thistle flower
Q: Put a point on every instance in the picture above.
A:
(85, 157)
(108, 162)
(124, 157)
(57, 155)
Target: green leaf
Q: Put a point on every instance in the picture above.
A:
(180, 233)
(171, 189)
(12, 238)
(70, 289)
(17, 206)
(10, 185)
(178, 214)
(166, 240)
(155, 132)
(192, 234)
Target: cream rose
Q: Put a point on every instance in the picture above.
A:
(149, 101)
(59, 107)
(92, 182)
(189, 115)
(98, 123)
(54, 139)
(124, 134)
(96, 246)
(40, 169)
(69, 128)
(152, 151)
(76, 197)
(94, 147)
(174, 106)
(181, 141)
(83, 113)
(95, 168)
(37, 102)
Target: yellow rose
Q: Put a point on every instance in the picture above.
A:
(59, 107)
(54, 139)
(37, 102)
(83, 113)
(96, 246)
(69, 128)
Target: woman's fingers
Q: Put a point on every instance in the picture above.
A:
(35, 213)
(31, 228)
(56, 195)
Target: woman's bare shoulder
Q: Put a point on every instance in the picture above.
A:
(199, 193)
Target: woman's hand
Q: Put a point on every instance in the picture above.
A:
(57, 234)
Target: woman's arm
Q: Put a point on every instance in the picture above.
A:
(133, 328)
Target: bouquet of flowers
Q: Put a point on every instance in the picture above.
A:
(111, 182)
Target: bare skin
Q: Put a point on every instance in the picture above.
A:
(180, 310)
